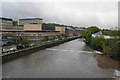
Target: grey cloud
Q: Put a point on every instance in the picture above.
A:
(103, 14)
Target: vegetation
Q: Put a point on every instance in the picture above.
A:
(14, 23)
(107, 46)
(112, 49)
(25, 42)
(111, 32)
(89, 31)
(98, 43)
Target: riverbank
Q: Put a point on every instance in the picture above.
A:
(105, 62)
(28, 51)
(104, 54)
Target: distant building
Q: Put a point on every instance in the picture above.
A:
(35, 30)
(105, 36)
(5, 23)
(5, 26)
(61, 29)
(69, 31)
(30, 21)
(48, 27)
(36, 35)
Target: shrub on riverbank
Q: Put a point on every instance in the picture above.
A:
(107, 46)
(97, 43)
(112, 49)
(88, 33)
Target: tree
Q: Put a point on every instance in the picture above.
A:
(25, 42)
(14, 23)
(98, 42)
(89, 31)
(93, 29)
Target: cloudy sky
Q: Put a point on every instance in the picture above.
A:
(101, 14)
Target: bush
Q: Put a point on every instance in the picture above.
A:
(112, 48)
(89, 31)
(98, 42)
(25, 42)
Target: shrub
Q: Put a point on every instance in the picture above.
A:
(98, 42)
(25, 42)
(112, 48)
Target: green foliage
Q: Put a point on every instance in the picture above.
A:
(98, 42)
(113, 48)
(25, 42)
(88, 36)
(89, 31)
(111, 33)
(82, 33)
(93, 29)
(107, 46)
(14, 23)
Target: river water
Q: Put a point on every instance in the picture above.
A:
(69, 60)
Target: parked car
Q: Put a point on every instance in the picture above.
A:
(5, 50)
(31, 45)
(20, 47)
(13, 49)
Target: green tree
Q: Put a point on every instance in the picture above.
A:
(14, 23)
(89, 31)
(113, 48)
(93, 29)
(25, 42)
(98, 42)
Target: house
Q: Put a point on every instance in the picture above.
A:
(97, 34)
(105, 36)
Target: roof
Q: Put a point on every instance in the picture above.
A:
(97, 34)
(6, 18)
(31, 19)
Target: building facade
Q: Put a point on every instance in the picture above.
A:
(5, 23)
(30, 21)
(32, 29)
(61, 29)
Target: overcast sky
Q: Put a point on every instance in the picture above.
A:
(101, 14)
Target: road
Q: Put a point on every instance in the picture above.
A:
(69, 60)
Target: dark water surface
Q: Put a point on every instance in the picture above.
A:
(69, 60)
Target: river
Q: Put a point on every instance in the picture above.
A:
(73, 59)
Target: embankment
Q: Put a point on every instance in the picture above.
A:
(28, 51)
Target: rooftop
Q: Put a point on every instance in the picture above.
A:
(31, 19)
(5, 18)
(97, 34)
